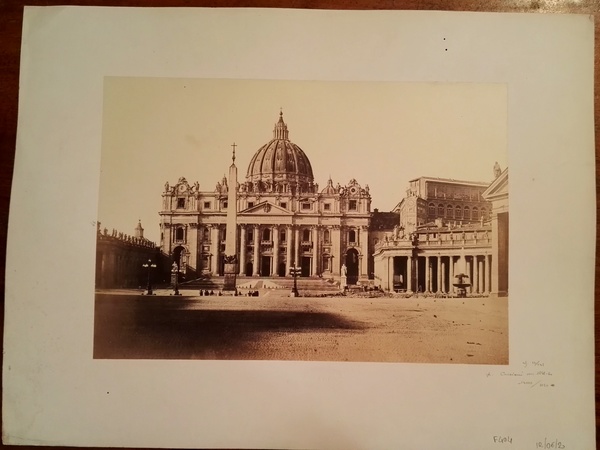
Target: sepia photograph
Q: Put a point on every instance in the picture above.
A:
(289, 228)
(298, 220)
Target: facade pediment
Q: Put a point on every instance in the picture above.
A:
(499, 187)
(265, 209)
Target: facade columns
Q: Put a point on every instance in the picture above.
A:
(289, 249)
(214, 249)
(275, 268)
(336, 252)
(255, 268)
(297, 246)
(364, 245)
(315, 258)
(242, 250)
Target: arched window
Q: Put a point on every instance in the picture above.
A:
(306, 235)
(449, 212)
(431, 210)
(266, 234)
(467, 214)
(441, 210)
(205, 234)
(351, 236)
(326, 236)
(282, 236)
(179, 233)
(458, 213)
(475, 214)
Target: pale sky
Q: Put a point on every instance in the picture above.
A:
(382, 134)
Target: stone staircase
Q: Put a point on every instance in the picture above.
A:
(312, 285)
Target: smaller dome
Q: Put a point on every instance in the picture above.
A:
(329, 189)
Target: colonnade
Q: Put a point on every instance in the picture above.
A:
(437, 273)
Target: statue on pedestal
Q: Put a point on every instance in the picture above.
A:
(344, 278)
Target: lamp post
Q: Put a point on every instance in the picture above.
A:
(149, 266)
(175, 277)
(295, 271)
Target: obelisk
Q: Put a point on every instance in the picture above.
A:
(231, 235)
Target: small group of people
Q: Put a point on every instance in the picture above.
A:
(252, 293)
(207, 293)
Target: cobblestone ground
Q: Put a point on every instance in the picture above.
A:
(277, 327)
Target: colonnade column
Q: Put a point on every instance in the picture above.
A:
(289, 249)
(468, 272)
(315, 242)
(439, 274)
(417, 273)
(427, 275)
(275, 261)
(488, 274)
(451, 281)
(214, 249)
(481, 276)
(242, 250)
(390, 273)
(443, 285)
(409, 274)
(475, 283)
(256, 251)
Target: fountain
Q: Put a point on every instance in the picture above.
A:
(461, 285)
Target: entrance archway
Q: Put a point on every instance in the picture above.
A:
(305, 267)
(177, 255)
(265, 266)
(352, 266)
(281, 269)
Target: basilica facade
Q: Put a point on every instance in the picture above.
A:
(284, 219)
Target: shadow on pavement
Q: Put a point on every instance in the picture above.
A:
(136, 327)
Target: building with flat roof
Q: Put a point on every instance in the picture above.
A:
(448, 228)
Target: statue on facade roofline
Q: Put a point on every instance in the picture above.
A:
(167, 186)
(497, 170)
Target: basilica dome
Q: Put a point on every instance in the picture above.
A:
(280, 163)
